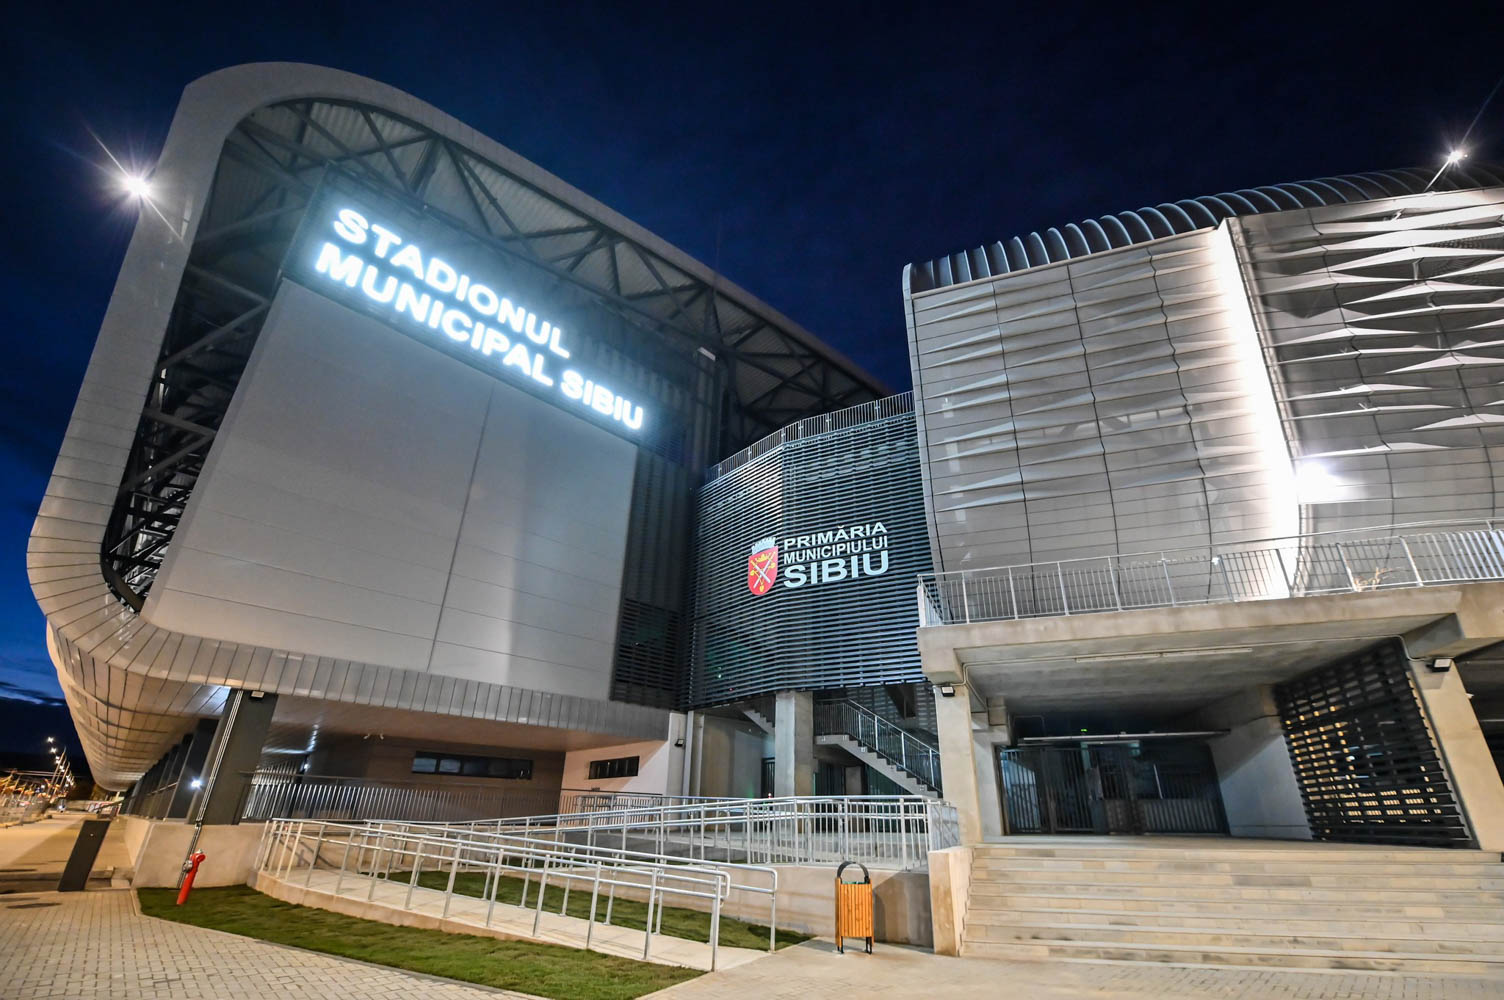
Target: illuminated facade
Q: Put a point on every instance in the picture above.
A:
(390, 436)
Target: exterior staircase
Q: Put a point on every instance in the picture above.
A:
(893, 752)
(1238, 903)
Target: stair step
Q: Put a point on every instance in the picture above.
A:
(1151, 906)
(1476, 869)
(1197, 849)
(1315, 894)
(1315, 880)
(1274, 937)
(1230, 955)
(1297, 926)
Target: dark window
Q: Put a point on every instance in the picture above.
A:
(516, 768)
(616, 767)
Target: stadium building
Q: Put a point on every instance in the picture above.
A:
(406, 480)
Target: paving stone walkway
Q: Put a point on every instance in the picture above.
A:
(813, 971)
(97, 946)
(88, 945)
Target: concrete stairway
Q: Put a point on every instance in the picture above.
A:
(1238, 903)
(880, 763)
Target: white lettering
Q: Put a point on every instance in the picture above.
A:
(339, 267)
(385, 240)
(436, 277)
(453, 317)
(351, 226)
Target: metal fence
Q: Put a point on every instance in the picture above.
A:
(893, 743)
(880, 831)
(1299, 566)
(309, 796)
(385, 862)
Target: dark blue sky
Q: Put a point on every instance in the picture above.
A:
(828, 145)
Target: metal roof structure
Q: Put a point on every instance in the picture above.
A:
(772, 371)
(1121, 229)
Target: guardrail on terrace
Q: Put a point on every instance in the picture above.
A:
(1395, 557)
(386, 861)
(882, 831)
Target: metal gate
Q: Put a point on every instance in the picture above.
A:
(1111, 788)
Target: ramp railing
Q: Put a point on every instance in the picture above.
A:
(389, 860)
(896, 831)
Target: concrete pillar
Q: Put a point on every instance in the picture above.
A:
(196, 752)
(794, 744)
(1469, 764)
(234, 754)
(968, 761)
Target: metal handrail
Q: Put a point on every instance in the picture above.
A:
(1354, 560)
(291, 846)
(880, 830)
(880, 735)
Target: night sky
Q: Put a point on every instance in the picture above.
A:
(806, 151)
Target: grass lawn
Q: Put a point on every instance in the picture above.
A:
(546, 970)
(677, 921)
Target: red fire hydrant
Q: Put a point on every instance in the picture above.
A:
(194, 861)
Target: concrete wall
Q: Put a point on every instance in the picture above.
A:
(391, 759)
(950, 892)
(158, 848)
(1259, 792)
(729, 758)
(659, 769)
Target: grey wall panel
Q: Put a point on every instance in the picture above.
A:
(1382, 318)
(517, 513)
(1123, 407)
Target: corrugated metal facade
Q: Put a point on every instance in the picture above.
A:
(1112, 403)
(1383, 321)
(844, 631)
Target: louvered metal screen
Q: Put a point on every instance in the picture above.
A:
(834, 633)
(1364, 757)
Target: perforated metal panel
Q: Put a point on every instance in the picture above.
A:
(851, 631)
(1364, 757)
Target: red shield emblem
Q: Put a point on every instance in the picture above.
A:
(762, 566)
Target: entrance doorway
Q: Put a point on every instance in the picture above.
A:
(1111, 788)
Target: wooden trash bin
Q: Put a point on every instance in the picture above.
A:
(853, 907)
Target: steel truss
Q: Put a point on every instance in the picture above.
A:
(771, 372)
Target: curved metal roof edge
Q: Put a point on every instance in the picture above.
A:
(1154, 222)
(550, 183)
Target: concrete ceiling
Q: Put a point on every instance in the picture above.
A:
(1159, 682)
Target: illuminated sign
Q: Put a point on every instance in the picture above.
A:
(410, 284)
(850, 552)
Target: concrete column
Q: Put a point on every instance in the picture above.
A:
(196, 753)
(794, 744)
(234, 754)
(1470, 766)
(968, 761)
